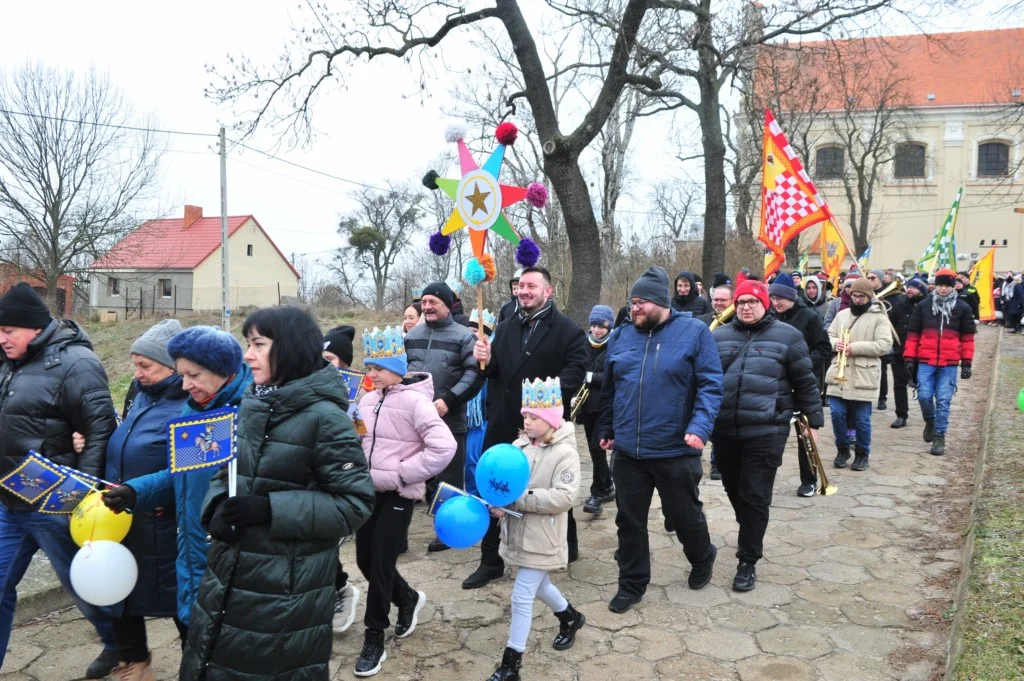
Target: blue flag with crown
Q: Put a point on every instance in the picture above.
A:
(66, 497)
(353, 379)
(33, 478)
(200, 441)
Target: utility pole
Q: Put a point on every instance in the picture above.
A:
(224, 280)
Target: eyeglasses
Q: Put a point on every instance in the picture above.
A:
(750, 302)
(640, 302)
(872, 277)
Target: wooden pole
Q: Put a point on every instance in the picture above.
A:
(480, 317)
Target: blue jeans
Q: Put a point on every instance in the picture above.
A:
(22, 533)
(859, 413)
(935, 388)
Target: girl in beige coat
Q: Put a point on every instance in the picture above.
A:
(536, 542)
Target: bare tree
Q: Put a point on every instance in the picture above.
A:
(74, 162)
(673, 201)
(377, 233)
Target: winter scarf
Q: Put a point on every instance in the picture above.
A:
(263, 391)
(595, 343)
(943, 305)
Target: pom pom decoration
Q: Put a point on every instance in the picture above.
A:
(455, 133)
(536, 194)
(490, 268)
(506, 133)
(473, 272)
(528, 252)
(439, 243)
(430, 180)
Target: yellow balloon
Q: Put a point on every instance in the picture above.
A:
(93, 521)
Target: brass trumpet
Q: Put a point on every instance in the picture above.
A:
(896, 287)
(581, 396)
(723, 318)
(803, 429)
(844, 338)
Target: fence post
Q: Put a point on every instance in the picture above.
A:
(279, 295)
(176, 302)
(126, 304)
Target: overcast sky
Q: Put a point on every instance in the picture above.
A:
(157, 52)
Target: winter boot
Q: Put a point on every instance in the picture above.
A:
(842, 457)
(939, 444)
(860, 461)
(929, 429)
(570, 621)
(373, 655)
(511, 663)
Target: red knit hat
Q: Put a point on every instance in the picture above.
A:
(945, 277)
(752, 287)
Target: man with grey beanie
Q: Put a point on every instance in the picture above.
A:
(660, 397)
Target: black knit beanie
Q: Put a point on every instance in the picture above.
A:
(339, 341)
(22, 307)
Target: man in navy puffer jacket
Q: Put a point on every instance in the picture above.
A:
(661, 391)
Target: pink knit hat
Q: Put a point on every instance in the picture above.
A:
(543, 399)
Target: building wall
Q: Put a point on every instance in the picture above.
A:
(136, 283)
(907, 213)
(255, 279)
(11, 275)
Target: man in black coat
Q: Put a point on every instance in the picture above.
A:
(51, 385)
(899, 315)
(538, 342)
(791, 310)
(687, 298)
(511, 307)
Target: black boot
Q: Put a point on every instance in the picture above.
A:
(860, 462)
(103, 665)
(938, 444)
(511, 663)
(929, 429)
(746, 577)
(570, 621)
(842, 457)
(900, 422)
(373, 655)
(483, 576)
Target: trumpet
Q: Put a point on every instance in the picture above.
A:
(723, 318)
(844, 338)
(803, 429)
(581, 397)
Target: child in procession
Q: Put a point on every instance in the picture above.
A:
(406, 444)
(536, 543)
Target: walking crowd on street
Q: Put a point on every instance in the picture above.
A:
(244, 557)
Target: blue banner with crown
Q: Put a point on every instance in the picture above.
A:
(69, 493)
(200, 441)
(33, 478)
(354, 379)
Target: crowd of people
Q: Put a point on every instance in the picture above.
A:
(253, 579)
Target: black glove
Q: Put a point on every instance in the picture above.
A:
(246, 510)
(965, 371)
(120, 499)
(911, 368)
(221, 529)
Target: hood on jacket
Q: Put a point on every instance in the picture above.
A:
(820, 298)
(58, 334)
(415, 381)
(688, 276)
(321, 385)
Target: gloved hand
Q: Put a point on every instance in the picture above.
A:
(221, 529)
(911, 368)
(248, 509)
(965, 371)
(119, 499)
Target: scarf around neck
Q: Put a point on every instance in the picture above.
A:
(943, 305)
(262, 391)
(595, 343)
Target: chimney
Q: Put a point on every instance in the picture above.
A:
(192, 213)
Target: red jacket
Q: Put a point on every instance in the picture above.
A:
(932, 342)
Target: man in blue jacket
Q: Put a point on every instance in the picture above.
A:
(661, 392)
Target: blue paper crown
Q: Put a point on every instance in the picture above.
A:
(474, 318)
(455, 285)
(417, 293)
(542, 394)
(379, 344)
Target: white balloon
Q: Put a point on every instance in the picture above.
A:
(103, 572)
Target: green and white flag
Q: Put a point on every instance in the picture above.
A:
(941, 252)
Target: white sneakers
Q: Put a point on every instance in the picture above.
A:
(345, 608)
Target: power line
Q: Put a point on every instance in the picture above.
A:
(105, 125)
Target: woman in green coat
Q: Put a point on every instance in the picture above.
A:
(266, 601)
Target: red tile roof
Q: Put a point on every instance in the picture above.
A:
(166, 244)
(959, 69)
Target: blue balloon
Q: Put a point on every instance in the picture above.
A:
(461, 522)
(502, 474)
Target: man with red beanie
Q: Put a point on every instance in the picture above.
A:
(940, 336)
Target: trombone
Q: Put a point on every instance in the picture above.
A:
(723, 318)
(897, 286)
(844, 338)
(803, 429)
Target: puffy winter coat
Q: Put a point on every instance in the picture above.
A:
(870, 340)
(265, 605)
(931, 340)
(59, 388)
(538, 539)
(406, 442)
(186, 493)
(660, 385)
(139, 447)
(693, 302)
(767, 376)
(809, 325)
(444, 349)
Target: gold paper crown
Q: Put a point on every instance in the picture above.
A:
(379, 344)
(542, 394)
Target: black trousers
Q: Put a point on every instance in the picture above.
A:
(602, 483)
(883, 389)
(378, 543)
(807, 473)
(489, 556)
(748, 468)
(899, 387)
(131, 637)
(676, 480)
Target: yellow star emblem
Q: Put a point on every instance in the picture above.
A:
(478, 199)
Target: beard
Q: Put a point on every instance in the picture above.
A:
(648, 322)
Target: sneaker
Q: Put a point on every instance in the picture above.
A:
(622, 602)
(592, 505)
(746, 577)
(609, 495)
(807, 489)
(408, 612)
(436, 546)
(373, 654)
(938, 444)
(700, 574)
(882, 405)
(715, 473)
(103, 665)
(860, 462)
(134, 671)
(482, 576)
(900, 422)
(842, 457)
(345, 602)
(929, 429)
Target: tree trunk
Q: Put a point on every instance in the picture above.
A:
(714, 171)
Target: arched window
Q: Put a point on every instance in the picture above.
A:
(909, 161)
(993, 159)
(829, 163)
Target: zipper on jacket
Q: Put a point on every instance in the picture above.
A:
(640, 394)
(376, 420)
(739, 389)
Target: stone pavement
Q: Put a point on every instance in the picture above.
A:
(856, 586)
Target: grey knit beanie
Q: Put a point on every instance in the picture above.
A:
(653, 286)
(153, 343)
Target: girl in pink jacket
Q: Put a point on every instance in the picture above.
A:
(406, 443)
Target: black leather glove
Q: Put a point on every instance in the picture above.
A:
(119, 499)
(911, 368)
(221, 529)
(965, 371)
(246, 510)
